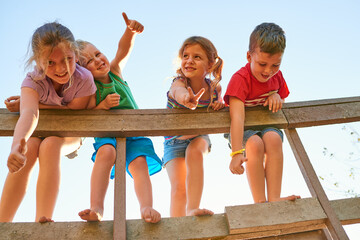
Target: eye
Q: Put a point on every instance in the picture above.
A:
(51, 63)
(89, 61)
(276, 65)
(98, 54)
(197, 57)
(262, 64)
(185, 56)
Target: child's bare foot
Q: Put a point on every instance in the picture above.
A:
(44, 219)
(199, 212)
(90, 215)
(150, 215)
(291, 198)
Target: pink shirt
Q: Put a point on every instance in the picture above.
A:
(82, 85)
(250, 91)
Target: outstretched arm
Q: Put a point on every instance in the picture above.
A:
(126, 44)
(24, 128)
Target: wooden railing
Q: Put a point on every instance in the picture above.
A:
(323, 219)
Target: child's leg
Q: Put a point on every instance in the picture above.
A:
(16, 183)
(176, 170)
(195, 153)
(142, 184)
(274, 166)
(255, 168)
(48, 183)
(105, 159)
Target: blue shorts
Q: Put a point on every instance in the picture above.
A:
(251, 132)
(135, 147)
(175, 148)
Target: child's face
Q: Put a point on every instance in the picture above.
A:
(194, 62)
(264, 65)
(95, 61)
(61, 64)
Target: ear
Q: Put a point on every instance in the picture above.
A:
(248, 56)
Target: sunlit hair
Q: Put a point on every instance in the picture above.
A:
(212, 55)
(269, 37)
(44, 40)
(82, 45)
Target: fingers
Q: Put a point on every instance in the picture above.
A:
(133, 25)
(126, 19)
(199, 94)
(9, 99)
(216, 105)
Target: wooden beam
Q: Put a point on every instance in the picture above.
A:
(287, 216)
(322, 112)
(334, 226)
(211, 228)
(161, 122)
(120, 190)
(127, 123)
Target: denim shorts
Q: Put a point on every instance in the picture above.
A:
(251, 132)
(176, 148)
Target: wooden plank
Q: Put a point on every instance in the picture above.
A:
(321, 102)
(211, 228)
(276, 216)
(335, 228)
(347, 210)
(308, 235)
(120, 190)
(126, 123)
(322, 114)
(204, 227)
(57, 230)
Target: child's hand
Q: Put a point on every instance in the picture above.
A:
(275, 102)
(13, 103)
(111, 100)
(190, 100)
(17, 158)
(217, 105)
(236, 166)
(133, 25)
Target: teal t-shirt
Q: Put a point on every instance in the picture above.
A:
(118, 86)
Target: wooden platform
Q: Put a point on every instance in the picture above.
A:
(313, 218)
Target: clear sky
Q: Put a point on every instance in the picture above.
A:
(321, 61)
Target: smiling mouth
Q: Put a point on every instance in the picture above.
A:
(61, 75)
(101, 66)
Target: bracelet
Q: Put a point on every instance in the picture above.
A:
(241, 151)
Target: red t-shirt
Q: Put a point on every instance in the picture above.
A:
(250, 91)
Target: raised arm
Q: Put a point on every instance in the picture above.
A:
(125, 44)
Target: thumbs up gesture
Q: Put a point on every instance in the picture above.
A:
(133, 25)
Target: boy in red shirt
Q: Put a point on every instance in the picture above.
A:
(260, 82)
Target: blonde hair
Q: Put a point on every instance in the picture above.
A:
(45, 38)
(212, 55)
(81, 46)
(269, 37)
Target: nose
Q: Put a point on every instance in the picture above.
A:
(268, 70)
(190, 60)
(60, 68)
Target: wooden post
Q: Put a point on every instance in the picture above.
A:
(333, 224)
(119, 226)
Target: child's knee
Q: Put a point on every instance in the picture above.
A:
(255, 145)
(137, 164)
(106, 153)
